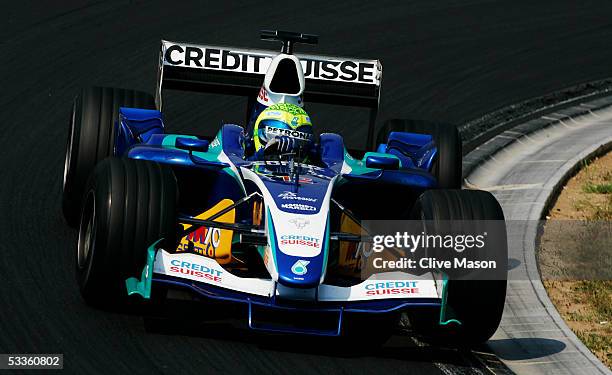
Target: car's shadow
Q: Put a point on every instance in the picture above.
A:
(517, 349)
(226, 324)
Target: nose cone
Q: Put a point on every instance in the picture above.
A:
(297, 272)
(297, 227)
(300, 255)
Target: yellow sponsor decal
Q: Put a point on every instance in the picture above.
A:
(211, 242)
(350, 260)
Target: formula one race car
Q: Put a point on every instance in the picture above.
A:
(159, 213)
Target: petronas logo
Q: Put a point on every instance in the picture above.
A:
(299, 268)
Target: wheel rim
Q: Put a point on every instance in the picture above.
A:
(67, 161)
(87, 231)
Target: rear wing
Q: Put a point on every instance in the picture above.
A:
(234, 71)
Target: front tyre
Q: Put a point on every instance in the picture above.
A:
(128, 205)
(478, 304)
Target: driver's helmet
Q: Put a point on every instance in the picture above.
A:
(282, 119)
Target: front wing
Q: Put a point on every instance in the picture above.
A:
(189, 268)
(205, 278)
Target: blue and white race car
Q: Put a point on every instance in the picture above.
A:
(280, 233)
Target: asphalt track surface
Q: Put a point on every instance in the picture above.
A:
(445, 60)
(533, 338)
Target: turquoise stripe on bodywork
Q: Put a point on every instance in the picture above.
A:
(444, 309)
(212, 154)
(272, 238)
(143, 286)
(325, 251)
(170, 139)
(357, 166)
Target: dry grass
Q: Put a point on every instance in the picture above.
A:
(585, 304)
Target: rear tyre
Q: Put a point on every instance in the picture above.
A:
(447, 164)
(91, 138)
(478, 304)
(128, 206)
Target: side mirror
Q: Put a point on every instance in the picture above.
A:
(382, 162)
(192, 144)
